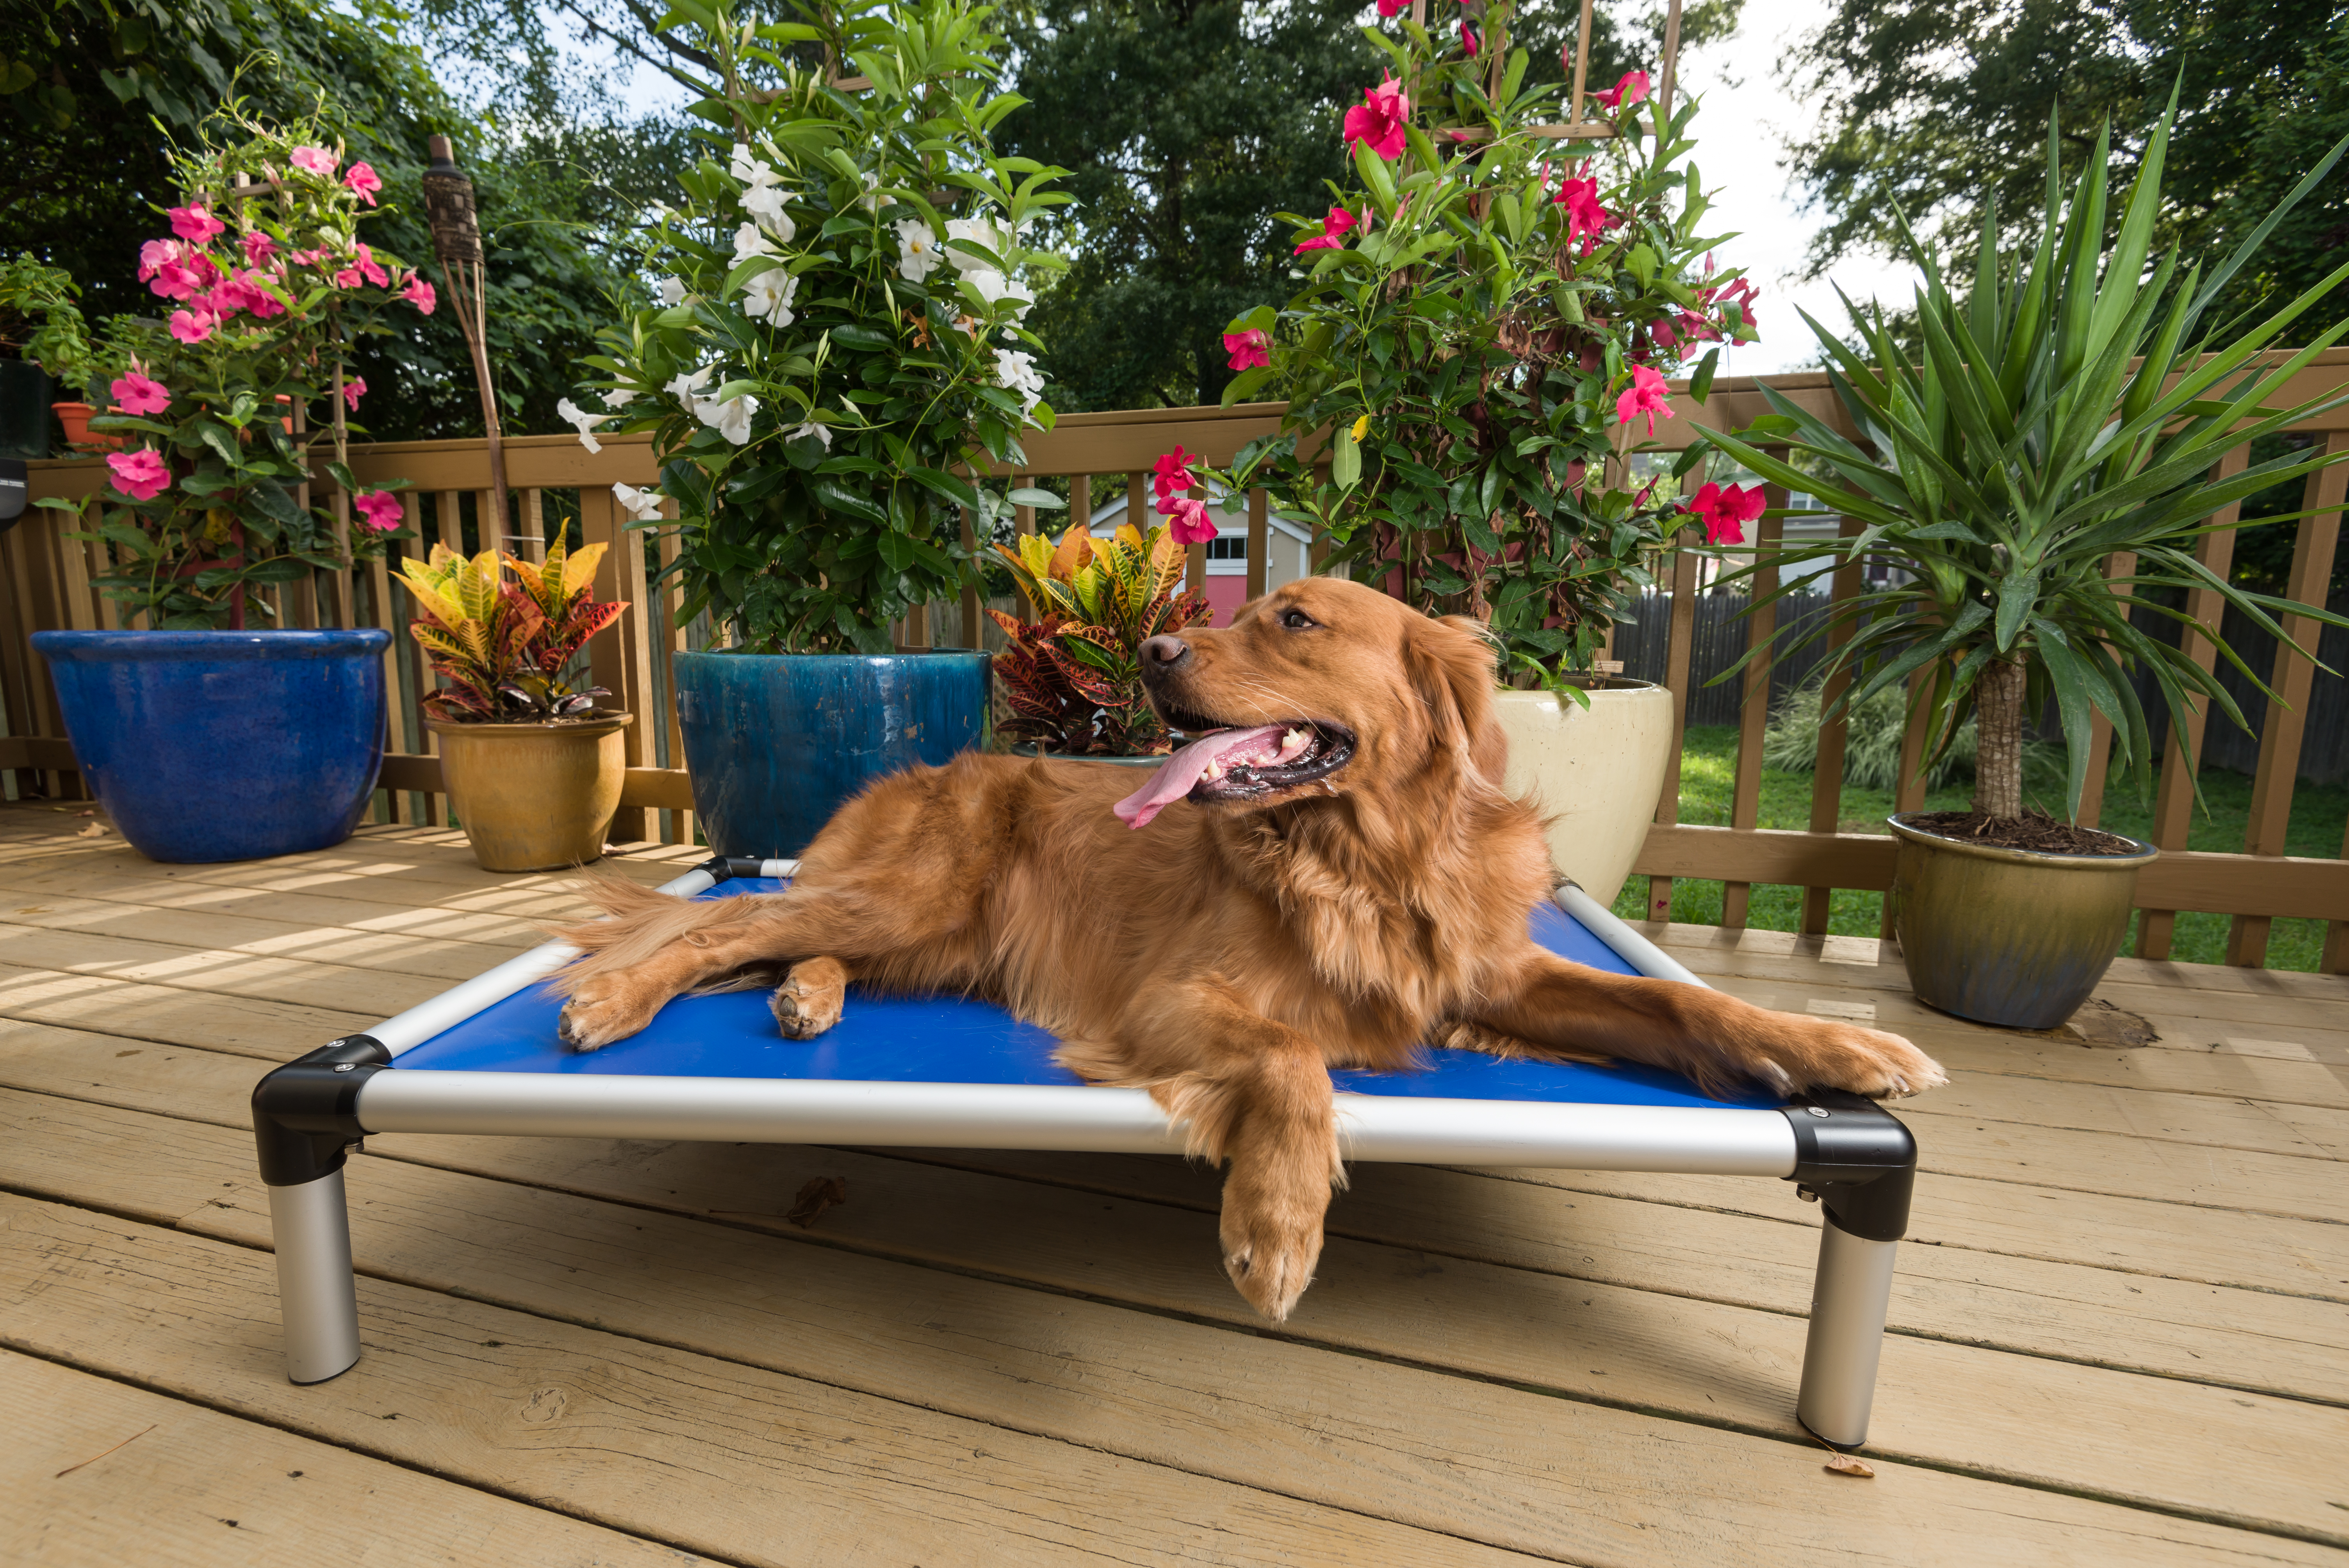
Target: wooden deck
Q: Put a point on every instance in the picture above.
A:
(2120, 1331)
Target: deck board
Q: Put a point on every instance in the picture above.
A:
(2122, 1334)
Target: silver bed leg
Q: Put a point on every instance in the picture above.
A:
(317, 1298)
(1849, 1296)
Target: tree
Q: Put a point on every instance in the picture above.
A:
(1191, 124)
(97, 89)
(1941, 109)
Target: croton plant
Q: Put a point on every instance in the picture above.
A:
(1479, 343)
(1072, 678)
(505, 649)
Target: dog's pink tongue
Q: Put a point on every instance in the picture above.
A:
(1179, 772)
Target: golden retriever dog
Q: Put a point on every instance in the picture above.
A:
(1331, 877)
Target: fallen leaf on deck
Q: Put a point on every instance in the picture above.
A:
(821, 1193)
(1851, 1464)
(95, 831)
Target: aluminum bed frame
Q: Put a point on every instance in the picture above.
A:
(1846, 1153)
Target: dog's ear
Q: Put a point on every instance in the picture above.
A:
(1452, 666)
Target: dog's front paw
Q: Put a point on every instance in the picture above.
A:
(601, 1011)
(810, 999)
(1270, 1250)
(1861, 1061)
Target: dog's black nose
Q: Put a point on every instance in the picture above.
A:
(1161, 652)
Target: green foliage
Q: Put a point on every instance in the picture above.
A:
(1072, 678)
(40, 322)
(2072, 408)
(832, 346)
(1468, 357)
(88, 84)
(1872, 735)
(1937, 108)
(505, 648)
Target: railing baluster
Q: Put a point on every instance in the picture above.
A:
(2100, 728)
(1827, 779)
(1259, 539)
(970, 616)
(2272, 786)
(1680, 648)
(677, 826)
(1754, 710)
(616, 661)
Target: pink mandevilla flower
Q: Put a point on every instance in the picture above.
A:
(1248, 348)
(1468, 39)
(257, 296)
(353, 390)
(1186, 519)
(1392, 8)
(194, 224)
(371, 269)
(1631, 90)
(1332, 235)
(258, 247)
(363, 182)
(420, 293)
(307, 258)
(381, 511)
(1171, 474)
(315, 160)
(155, 255)
(1725, 512)
(348, 278)
(1379, 119)
(138, 393)
(1647, 394)
(192, 326)
(1584, 216)
(175, 281)
(141, 475)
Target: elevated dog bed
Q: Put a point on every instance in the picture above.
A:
(483, 1058)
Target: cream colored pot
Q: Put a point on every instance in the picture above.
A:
(1596, 771)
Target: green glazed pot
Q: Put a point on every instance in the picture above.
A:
(2011, 937)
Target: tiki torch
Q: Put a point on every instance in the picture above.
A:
(457, 241)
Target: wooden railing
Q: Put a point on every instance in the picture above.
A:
(553, 479)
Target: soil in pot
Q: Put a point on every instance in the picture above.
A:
(2033, 830)
(534, 796)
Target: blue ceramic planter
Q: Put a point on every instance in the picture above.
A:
(224, 746)
(776, 743)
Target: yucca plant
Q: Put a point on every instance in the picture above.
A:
(2071, 408)
(1072, 680)
(504, 647)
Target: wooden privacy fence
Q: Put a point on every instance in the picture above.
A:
(554, 477)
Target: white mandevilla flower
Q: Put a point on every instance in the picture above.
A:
(731, 418)
(995, 288)
(750, 241)
(767, 296)
(811, 431)
(918, 250)
(765, 203)
(683, 387)
(569, 413)
(672, 291)
(1018, 372)
(871, 200)
(751, 170)
(965, 232)
(644, 505)
(619, 396)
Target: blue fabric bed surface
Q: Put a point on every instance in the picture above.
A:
(929, 1039)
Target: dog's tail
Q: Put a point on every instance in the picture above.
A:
(639, 922)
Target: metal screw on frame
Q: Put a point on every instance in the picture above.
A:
(457, 241)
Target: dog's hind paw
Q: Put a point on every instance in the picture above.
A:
(810, 999)
(598, 1014)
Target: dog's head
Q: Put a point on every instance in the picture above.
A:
(1370, 694)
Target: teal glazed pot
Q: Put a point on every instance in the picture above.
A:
(224, 746)
(2013, 937)
(777, 743)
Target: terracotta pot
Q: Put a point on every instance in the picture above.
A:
(534, 797)
(1595, 770)
(76, 418)
(2013, 937)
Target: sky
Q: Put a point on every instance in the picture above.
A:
(1742, 132)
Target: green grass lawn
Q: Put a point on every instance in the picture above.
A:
(1708, 774)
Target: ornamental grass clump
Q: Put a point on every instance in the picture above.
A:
(1483, 325)
(1072, 678)
(506, 649)
(267, 284)
(838, 334)
(2068, 410)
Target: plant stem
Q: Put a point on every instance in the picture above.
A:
(1998, 757)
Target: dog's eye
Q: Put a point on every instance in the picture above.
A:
(1297, 620)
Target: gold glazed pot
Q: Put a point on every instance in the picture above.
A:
(534, 796)
(2013, 937)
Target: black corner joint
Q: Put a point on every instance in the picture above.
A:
(725, 868)
(1857, 1159)
(306, 1114)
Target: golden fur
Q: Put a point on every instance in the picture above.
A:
(1231, 953)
